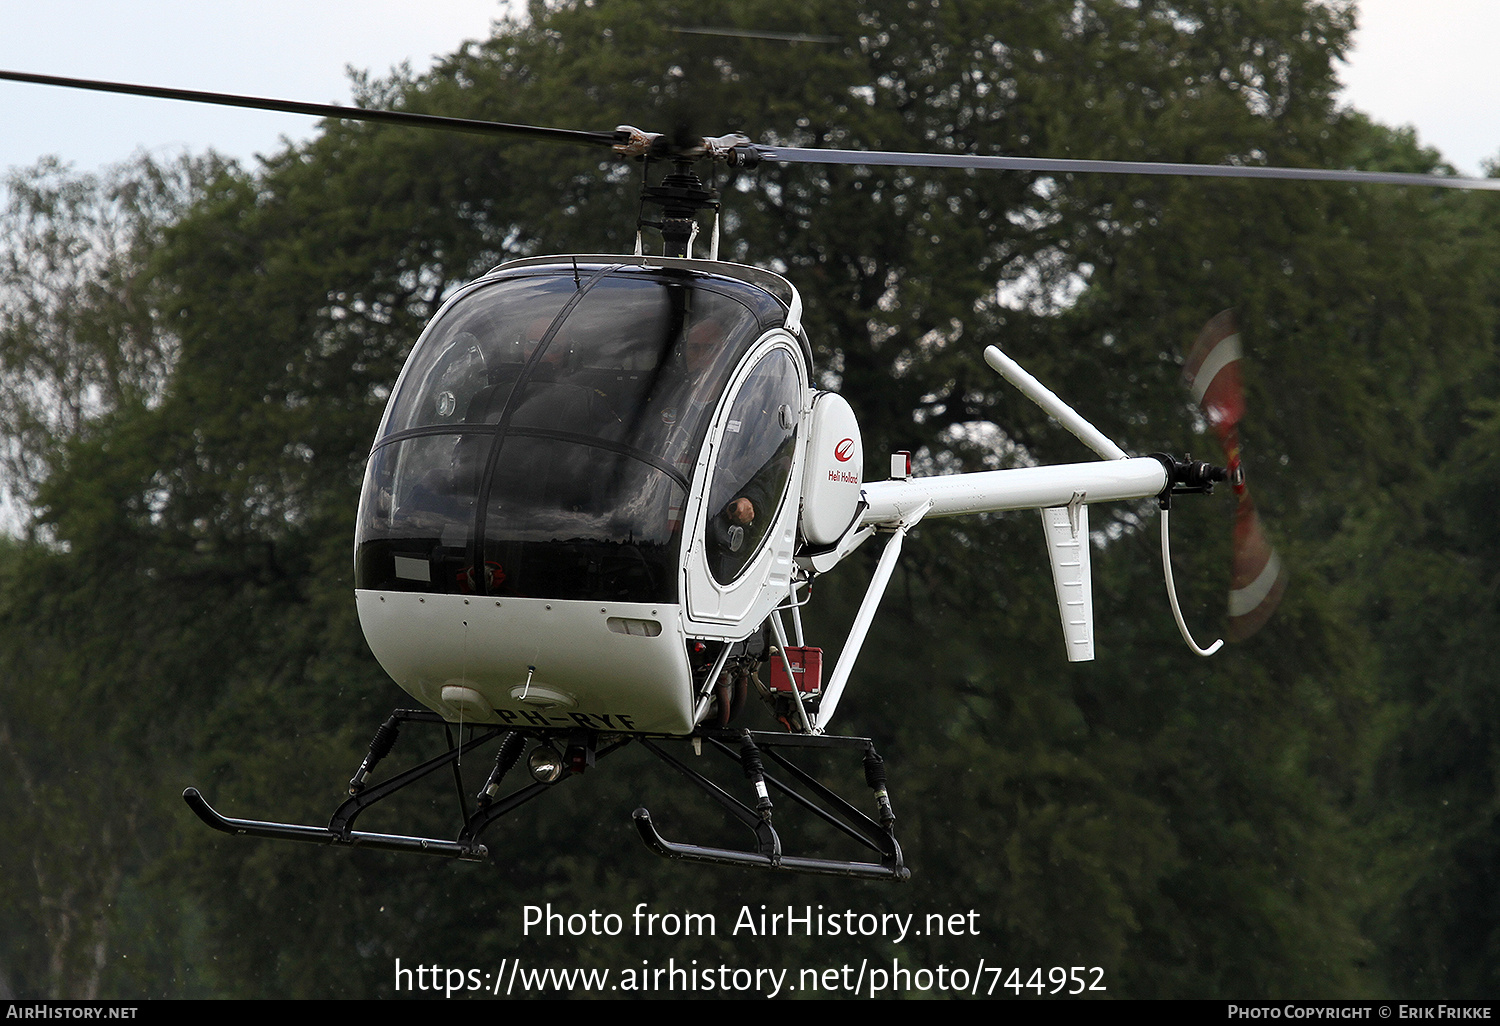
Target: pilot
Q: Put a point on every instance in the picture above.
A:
(750, 472)
(756, 479)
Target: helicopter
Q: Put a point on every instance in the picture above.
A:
(604, 485)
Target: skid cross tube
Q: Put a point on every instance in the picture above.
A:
(340, 826)
(768, 844)
(343, 816)
(745, 748)
(853, 822)
(501, 807)
(340, 831)
(768, 853)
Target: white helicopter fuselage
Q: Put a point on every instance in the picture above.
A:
(597, 475)
(614, 653)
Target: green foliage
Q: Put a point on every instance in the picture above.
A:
(1305, 816)
(79, 336)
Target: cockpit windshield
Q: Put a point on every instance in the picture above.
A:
(541, 440)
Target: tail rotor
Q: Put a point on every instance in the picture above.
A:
(1213, 374)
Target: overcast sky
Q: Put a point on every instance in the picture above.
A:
(1431, 64)
(287, 49)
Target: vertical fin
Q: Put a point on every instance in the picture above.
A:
(1067, 530)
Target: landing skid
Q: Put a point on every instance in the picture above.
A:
(744, 747)
(878, 837)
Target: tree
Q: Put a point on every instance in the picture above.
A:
(81, 347)
(1189, 830)
(78, 339)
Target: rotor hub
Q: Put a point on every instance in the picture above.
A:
(680, 194)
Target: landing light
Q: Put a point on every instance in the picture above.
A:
(545, 763)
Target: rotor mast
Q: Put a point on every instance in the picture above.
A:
(681, 194)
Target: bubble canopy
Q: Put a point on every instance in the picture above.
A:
(541, 440)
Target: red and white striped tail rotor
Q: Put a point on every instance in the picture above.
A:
(1212, 373)
(1258, 579)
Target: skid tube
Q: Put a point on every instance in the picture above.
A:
(466, 847)
(488, 806)
(823, 803)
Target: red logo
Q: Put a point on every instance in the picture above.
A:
(844, 450)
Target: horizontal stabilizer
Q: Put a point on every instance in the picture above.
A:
(1067, 529)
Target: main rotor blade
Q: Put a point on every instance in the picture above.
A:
(757, 152)
(778, 37)
(886, 158)
(321, 110)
